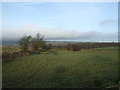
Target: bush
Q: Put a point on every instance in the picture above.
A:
(74, 47)
(37, 43)
(49, 46)
(6, 56)
(69, 47)
(24, 43)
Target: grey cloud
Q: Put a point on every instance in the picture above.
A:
(59, 34)
(104, 22)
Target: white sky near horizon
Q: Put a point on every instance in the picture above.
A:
(82, 21)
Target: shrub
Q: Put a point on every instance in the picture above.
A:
(69, 47)
(24, 43)
(12, 54)
(37, 43)
(75, 47)
(49, 46)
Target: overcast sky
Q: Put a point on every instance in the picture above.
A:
(80, 21)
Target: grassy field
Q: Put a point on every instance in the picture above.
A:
(62, 69)
(108, 48)
(9, 48)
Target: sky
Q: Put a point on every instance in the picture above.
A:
(78, 21)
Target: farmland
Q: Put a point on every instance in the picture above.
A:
(61, 68)
(60, 45)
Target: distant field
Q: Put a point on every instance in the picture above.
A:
(108, 48)
(63, 69)
(9, 48)
(14, 48)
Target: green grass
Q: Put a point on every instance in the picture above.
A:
(108, 48)
(62, 69)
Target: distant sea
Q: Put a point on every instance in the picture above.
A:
(9, 43)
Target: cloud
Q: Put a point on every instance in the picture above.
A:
(58, 34)
(105, 22)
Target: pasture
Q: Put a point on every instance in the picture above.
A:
(63, 69)
(10, 48)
